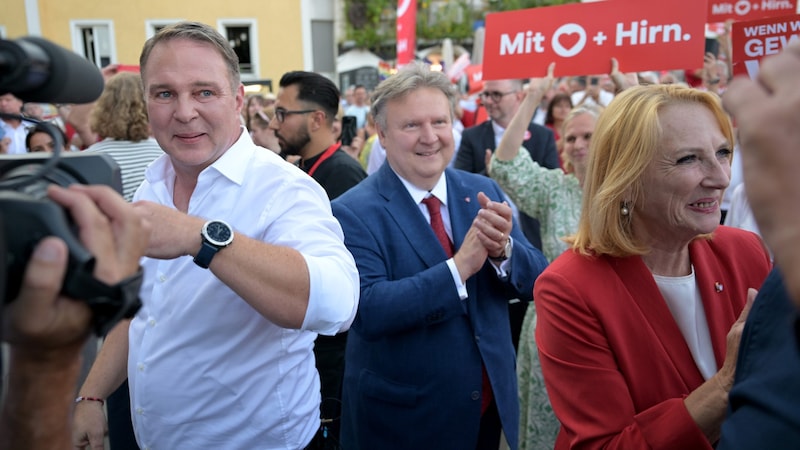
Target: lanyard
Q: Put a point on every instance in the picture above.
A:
(327, 154)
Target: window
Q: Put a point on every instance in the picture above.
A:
(94, 39)
(151, 27)
(323, 46)
(243, 37)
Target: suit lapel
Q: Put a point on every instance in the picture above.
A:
(462, 206)
(410, 222)
(717, 301)
(488, 137)
(646, 296)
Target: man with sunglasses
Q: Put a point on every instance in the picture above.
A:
(502, 98)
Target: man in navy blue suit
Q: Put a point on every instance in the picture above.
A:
(764, 403)
(429, 361)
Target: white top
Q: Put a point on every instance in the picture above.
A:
(207, 371)
(360, 113)
(17, 136)
(683, 299)
(740, 215)
(132, 158)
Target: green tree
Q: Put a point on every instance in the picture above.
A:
(371, 23)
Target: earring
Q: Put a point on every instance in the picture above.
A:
(624, 210)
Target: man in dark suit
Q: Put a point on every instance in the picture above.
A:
(430, 362)
(502, 98)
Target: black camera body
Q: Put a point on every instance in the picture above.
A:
(29, 216)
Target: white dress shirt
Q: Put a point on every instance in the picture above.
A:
(207, 371)
(17, 136)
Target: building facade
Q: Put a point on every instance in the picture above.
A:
(270, 36)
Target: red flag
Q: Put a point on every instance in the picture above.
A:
(406, 31)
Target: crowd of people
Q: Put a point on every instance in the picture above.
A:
(555, 276)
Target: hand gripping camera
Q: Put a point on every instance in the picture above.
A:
(29, 216)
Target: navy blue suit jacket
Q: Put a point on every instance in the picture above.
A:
(764, 404)
(413, 362)
(475, 140)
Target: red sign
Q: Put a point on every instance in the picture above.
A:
(756, 39)
(406, 31)
(127, 68)
(474, 74)
(581, 38)
(722, 10)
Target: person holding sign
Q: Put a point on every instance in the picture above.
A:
(638, 325)
(555, 198)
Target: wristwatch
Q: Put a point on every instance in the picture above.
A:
(506, 252)
(216, 235)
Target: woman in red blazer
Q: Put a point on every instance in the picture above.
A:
(638, 326)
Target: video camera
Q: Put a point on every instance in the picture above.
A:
(27, 214)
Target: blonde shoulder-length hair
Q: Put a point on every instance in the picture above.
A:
(626, 140)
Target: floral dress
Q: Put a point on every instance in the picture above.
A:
(554, 198)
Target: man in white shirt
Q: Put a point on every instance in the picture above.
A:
(360, 106)
(13, 131)
(220, 355)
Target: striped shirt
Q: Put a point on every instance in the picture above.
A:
(132, 157)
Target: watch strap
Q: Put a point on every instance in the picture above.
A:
(206, 253)
(503, 256)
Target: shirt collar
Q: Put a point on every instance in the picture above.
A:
(439, 190)
(228, 164)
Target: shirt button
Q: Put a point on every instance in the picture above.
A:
(475, 395)
(140, 411)
(477, 338)
(162, 278)
(152, 322)
(140, 366)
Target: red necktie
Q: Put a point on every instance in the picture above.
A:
(434, 209)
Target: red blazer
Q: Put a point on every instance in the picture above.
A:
(615, 364)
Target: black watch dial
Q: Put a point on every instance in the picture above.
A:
(219, 233)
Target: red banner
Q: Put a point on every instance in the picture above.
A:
(722, 10)
(581, 38)
(406, 31)
(755, 39)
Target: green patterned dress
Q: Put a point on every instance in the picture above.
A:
(555, 199)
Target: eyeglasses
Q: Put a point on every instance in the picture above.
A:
(281, 113)
(494, 95)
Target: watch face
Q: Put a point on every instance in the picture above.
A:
(218, 232)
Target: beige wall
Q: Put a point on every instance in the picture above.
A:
(278, 24)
